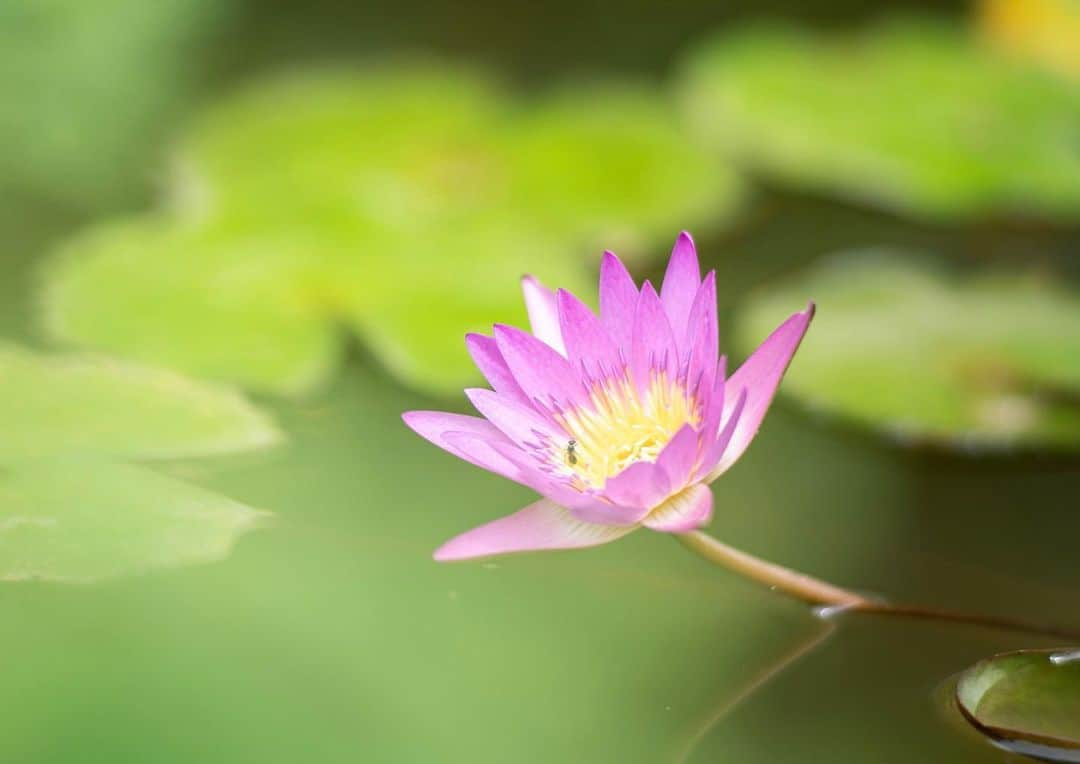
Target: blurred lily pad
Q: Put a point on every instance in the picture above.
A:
(1027, 702)
(68, 510)
(403, 203)
(915, 116)
(80, 521)
(54, 405)
(91, 88)
(913, 350)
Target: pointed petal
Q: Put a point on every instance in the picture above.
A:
(760, 375)
(522, 424)
(508, 460)
(683, 512)
(681, 282)
(541, 525)
(543, 313)
(485, 354)
(680, 456)
(701, 347)
(715, 455)
(618, 301)
(653, 346)
(606, 513)
(588, 345)
(546, 377)
(642, 485)
(713, 408)
(440, 427)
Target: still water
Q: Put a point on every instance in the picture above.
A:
(332, 636)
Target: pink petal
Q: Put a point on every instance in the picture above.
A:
(618, 301)
(546, 377)
(603, 512)
(760, 375)
(526, 471)
(679, 456)
(653, 347)
(541, 525)
(588, 345)
(702, 345)
(681, 282)
(717, 452)
(683, 512)
(713, 401)
(485, 354)
(642, 485)
(543, 313)
(439, 427)
(522, 424)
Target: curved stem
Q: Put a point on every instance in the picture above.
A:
(816, 592)
(776, 577)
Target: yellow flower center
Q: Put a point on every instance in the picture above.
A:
(621, 426)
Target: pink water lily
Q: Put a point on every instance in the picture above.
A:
(619, 421)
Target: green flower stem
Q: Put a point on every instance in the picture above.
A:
(837, 600)
(776, 577)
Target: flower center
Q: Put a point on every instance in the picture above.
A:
(621, 426)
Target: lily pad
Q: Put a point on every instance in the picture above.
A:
(71, 405)
(80, 521)
(1027, 702)
(403, 203)
(69, 511)
(923, 354)
(95, 86)
(914, 116)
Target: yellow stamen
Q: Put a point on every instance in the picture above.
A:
(621, 426)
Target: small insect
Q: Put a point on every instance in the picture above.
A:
(571, 454)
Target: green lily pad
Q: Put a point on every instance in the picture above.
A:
(403, 203)
(95, 86)
(991, 361)
(586, 157)
(69, 511)
(915, 116)
(80, 521)
(72, 405)
(1027, 702)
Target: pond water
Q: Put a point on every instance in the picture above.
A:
(332, 636)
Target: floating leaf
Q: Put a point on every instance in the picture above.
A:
(403, 203)
(1027, 702)
(82, 521)
(206, 301)
(913, 116)
(992, 361)
(91, 87)
(68, 511)
(71, 405)
(606, 162)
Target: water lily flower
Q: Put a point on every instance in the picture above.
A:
(619, 421)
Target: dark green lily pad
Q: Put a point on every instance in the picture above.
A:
(68, 510)
(91, 88)
(925, 355)
(915, 116)
(403, 203)
(1027, 702)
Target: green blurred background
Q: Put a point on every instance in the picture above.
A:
(239, 238)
